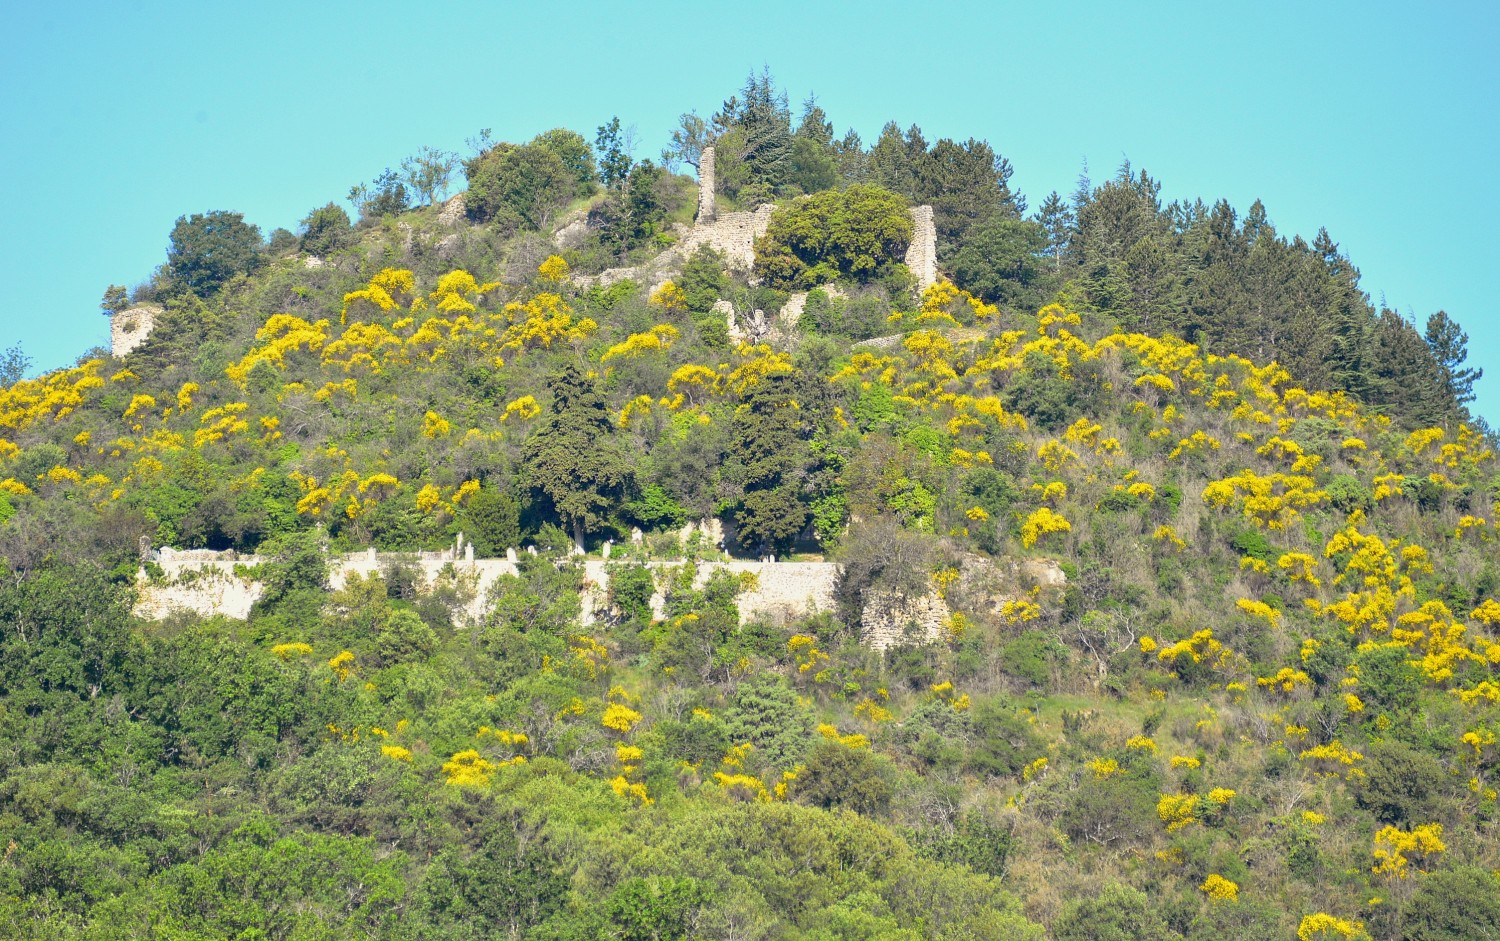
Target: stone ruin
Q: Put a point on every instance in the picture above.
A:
(733, 235)
(921, 254)
(209, 582)
(706, 187)
(129, 328)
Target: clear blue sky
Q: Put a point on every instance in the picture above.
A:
(1380, 121)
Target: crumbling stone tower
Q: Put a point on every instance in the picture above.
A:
(706, 210)
(921, 254)
(129, 328)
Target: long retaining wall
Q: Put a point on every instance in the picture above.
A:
(208, 583)
(212, 583)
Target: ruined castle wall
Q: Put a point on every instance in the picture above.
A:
(891, 619)
(733, 235)
(129, 328)
(206, 584)
(706, 186)
(921, 255)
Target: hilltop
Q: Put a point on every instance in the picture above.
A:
(843, 551)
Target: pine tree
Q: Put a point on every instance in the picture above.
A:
(1450, 347)
(1058, 222)
(767, 123)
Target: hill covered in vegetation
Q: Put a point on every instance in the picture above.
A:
(1263, 704)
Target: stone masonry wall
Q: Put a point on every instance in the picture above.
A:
(129, 328)
(706, 186)
(921, 254)
(890, 619)
(206, 584)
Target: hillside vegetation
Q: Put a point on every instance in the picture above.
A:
(1264, 705)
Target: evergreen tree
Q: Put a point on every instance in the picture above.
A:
(1407, 382)
(572, 460)
(1450, 347)
(211, 248)
(813, 166)
(116, 299)
(767, 123)
(769, 448)
(1057, 221)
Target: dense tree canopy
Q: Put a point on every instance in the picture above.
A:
(208, 249)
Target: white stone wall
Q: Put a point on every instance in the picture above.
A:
(129, 328)
(205, 583)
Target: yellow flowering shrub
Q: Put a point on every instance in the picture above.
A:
(1219, 889)
(620, 717)
(342, 664)
(1398, 852)
(1177, 811)
(1324, 927)
(468, 769)
(1041, 523)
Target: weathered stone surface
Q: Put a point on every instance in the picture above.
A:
(706, 186)
(891, 619)
(921, 254)
(207, 583)
(129, 328)
(571, 235)
(453, 211)
(733, 235)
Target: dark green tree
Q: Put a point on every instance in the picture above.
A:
(522, 184)
(1001, 260)
(859, 233)
(491, 520)
(576, 156)
(115, 300)
(1450, 347)
(614, 156)
(766, 122)
(325, 230)
(210, 248)
(1118, 913)
(836, 775)
(703, 279)
(387, 196)
(1453, 905)
(1057, 221)
(572, 460)
(813, 166)
(769, 458)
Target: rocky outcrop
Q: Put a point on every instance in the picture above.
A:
(453, 211)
